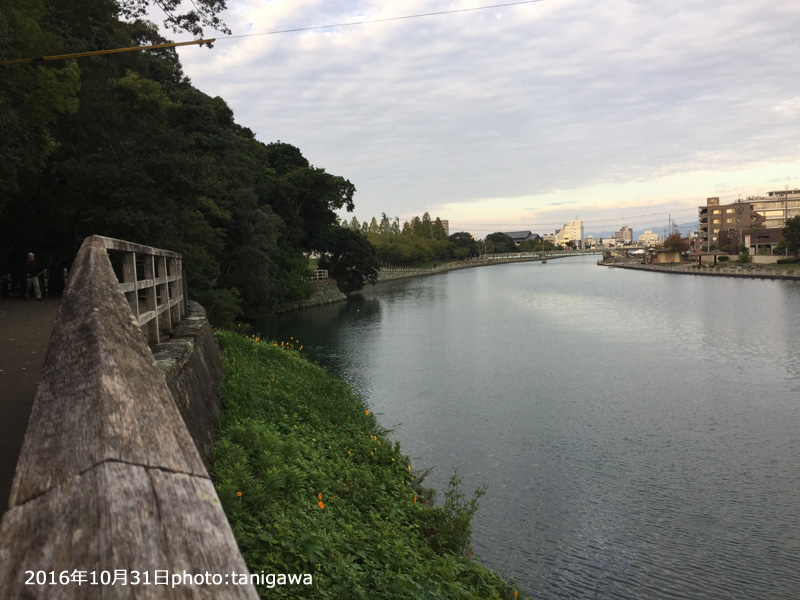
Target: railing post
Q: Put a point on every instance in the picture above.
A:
(164, 292)
(129, 276)
(151, 302)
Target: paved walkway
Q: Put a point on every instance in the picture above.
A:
(25, 327)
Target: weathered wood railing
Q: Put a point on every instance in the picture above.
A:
(111, 498)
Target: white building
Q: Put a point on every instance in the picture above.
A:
(571, 232)
(648, 238)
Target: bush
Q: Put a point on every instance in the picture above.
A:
(790, 260)
(744, 259)
(722, 258)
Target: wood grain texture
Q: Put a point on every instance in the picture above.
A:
(121, 517)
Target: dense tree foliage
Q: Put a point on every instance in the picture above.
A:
(790, 240)
(499, 242)
(122, 145)
(349, 258)
(418, 241)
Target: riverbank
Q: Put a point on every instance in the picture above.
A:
(312, 484)
(391, 273)
(720, 270)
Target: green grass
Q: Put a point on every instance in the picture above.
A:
(311, 483)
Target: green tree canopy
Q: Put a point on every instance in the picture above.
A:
(790, 239)
(499, 242)
(349, 258)
(463, 245)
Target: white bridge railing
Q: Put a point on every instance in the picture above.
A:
(318, 275)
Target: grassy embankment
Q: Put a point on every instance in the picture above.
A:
(312, 484)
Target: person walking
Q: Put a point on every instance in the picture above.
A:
(32, 277)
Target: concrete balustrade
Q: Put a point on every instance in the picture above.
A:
(109, 483)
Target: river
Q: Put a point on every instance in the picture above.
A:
(639, 432)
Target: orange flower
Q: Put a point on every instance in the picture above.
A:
(415, 497)
(238, 493)
(319, 496)
(320, 504)
(366, 412)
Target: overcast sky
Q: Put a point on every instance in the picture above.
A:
(522, 117)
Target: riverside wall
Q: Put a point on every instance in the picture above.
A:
(751, 271)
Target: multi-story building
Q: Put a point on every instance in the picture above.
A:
(572, 232)
(756, 222)
(446, 225)
(648, 238)
(624, 235)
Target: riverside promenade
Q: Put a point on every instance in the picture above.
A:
(25, 327)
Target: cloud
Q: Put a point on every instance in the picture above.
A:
(542, 101)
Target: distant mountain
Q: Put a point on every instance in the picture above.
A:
(660, 228)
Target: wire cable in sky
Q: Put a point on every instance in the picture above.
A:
(384, 20)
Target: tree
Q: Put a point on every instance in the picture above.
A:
(204, 14)
(677, 243)
(32, 96)
(463, 245)
(498, 242)
(349, 258)
(790, 239)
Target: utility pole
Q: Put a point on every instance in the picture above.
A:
(739, 212)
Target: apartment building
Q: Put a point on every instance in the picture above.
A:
(756, 222)
(648, 238)
(624, 235)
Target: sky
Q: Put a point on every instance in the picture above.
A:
(521, 117)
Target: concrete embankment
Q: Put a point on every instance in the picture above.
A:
(390, 274)
(726, 270)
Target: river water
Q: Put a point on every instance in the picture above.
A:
(639, 432)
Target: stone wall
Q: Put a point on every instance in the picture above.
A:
(324, 292)
(190, 363)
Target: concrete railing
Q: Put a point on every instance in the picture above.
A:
(318, 275)
(111, 498)
(152, 281)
